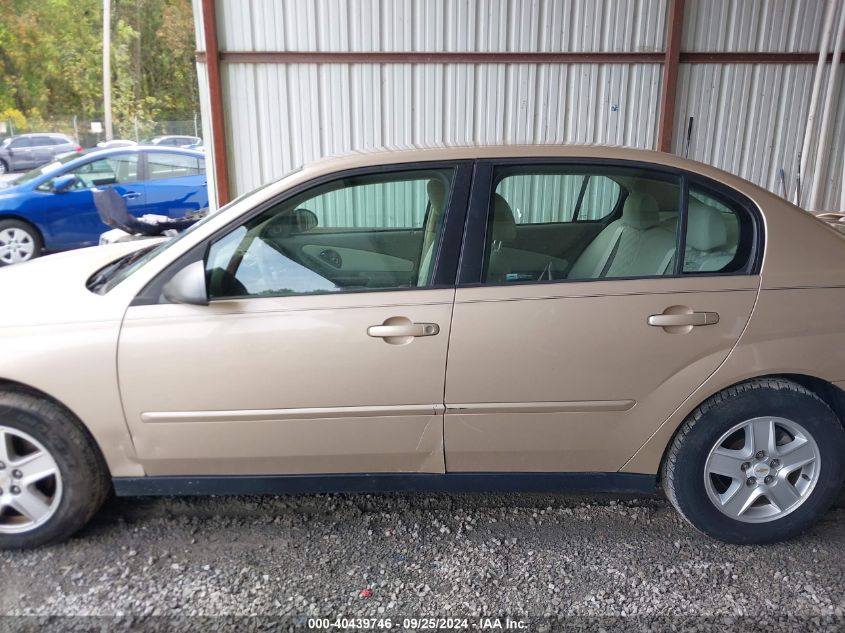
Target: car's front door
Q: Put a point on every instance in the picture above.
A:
(570, 357)
(323, 347)
(175, 184)
(69, 218)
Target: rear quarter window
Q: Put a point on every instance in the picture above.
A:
(721, 235)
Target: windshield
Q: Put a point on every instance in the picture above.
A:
(40, 171)
(108, 277)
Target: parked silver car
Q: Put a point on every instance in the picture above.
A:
(27, 151)
(176, 141)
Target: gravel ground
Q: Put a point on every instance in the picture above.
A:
(589, 561)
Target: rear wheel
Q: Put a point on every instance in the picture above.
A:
(52, 478)
(757, 463)
(19, 242)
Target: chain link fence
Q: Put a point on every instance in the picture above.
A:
(90, 131)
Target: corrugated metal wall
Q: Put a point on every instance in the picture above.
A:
(772, 26)
(287, 115)
(749, 118)
(441, 25)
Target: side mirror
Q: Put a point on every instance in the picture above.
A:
(63, 183)
(188, 286)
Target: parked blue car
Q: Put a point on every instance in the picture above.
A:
(52, 209)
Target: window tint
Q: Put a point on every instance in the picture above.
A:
(362, 233)
(100, 173)
(41, 141)
(539, 198)
(718, 236)
(18, 143)
(538, 228)
(163, 166)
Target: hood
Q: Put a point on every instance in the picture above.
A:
(51, 290)
(8, 192)
(9, 186)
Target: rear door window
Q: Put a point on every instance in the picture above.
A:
(162, 166)
(553, 222)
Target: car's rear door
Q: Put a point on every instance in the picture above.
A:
(323, 347)
(21, 153)
(175, 183)
(572, 365)
(41, 149)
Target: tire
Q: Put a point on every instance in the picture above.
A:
(724, 506)
(19, 242)
(73, 494)
(4, 168)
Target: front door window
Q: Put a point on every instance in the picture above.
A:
(372, 232)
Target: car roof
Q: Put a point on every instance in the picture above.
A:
(471, 152)
(56, 134)
(370, 158)
(103, 152)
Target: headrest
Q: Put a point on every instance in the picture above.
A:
(293, 222)
(706, 229)
(436, 194)
(640, 211)
(504, 226)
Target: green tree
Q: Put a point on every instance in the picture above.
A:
(51, 60)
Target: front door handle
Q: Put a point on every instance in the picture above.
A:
(131, 195)
(401, 330)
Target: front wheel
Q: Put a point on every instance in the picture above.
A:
(52, 478)
(757, 463)
(3, 167)
(19, 242)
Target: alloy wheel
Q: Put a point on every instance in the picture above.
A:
(16, 245)
(762, 469)
(30, 482)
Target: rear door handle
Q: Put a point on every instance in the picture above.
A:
(683, 319)
(401, 330)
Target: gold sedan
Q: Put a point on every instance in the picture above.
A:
(501, 318)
